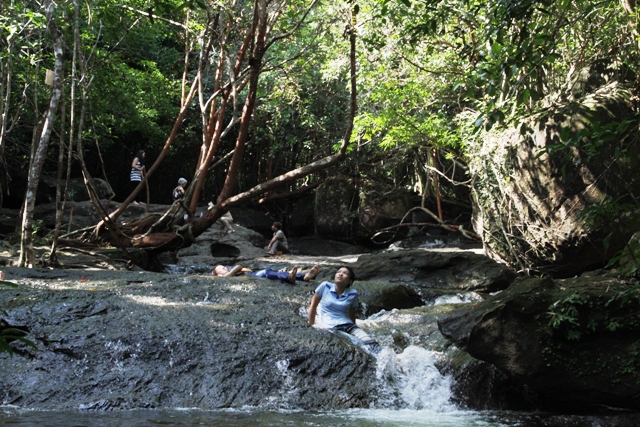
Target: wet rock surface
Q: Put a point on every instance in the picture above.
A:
(573, 342)
(110, 336)
(118, 339)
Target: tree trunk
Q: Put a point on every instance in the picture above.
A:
(26, 241)
(158, 241)
(4, 111)
(61, 196)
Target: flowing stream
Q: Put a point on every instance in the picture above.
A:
(412, 392)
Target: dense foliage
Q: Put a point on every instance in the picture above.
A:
(433, 78)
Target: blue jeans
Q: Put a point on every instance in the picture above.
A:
(274, 275)
(352, 329)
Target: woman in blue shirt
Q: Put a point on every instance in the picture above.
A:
(338, 305)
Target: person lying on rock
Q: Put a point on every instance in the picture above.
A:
(284, 276)
(338, 304)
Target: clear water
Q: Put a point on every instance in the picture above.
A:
(411, 392)
(347, 418)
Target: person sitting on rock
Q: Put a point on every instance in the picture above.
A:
(225, 219)
(278, 244)
(338, 305)
(267, 273)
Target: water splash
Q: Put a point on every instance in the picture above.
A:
(460, 298)
(411, 380)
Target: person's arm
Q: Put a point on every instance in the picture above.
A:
(352, 314)
(246, 270)
(312, 309)
(134, 164)
(273, 240)
(236, 269)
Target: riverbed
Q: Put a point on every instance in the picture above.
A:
(186, 345)
(347, 418)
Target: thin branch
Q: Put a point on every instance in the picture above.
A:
(294, 29)
(432, 169)
(154, 16)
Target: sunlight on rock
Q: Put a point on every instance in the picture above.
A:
(244, 287)
(157, 301)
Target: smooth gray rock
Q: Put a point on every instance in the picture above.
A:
(120, 340)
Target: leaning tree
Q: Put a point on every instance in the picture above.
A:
(232, 45)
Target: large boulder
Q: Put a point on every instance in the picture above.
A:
(120, 340)
(536, 185)
(436, 272)
(347, 210)
(217, 246)
(300, 221)
(574, 342)
(76, 192)
(336, 200)
(254, 219)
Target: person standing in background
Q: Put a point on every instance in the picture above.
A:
(137, 171)
(179, 191)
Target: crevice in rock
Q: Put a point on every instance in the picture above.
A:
(223, 250)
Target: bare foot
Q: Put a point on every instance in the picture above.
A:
(292, 276)
(312, 274)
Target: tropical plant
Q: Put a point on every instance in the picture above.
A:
(7, 335)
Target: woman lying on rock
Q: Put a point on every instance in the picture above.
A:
(338, 305)
(267, 273)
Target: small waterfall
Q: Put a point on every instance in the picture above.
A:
(410, 380)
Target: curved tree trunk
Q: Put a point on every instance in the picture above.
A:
(151, 234)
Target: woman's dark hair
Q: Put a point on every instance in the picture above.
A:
(278, 225)
(139, 156)
(352, 274)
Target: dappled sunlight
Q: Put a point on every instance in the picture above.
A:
(82, 284)
(242, 287)
(156, 301)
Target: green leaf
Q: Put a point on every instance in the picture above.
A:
(623, 126)
(9, 284)
(607, 241)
